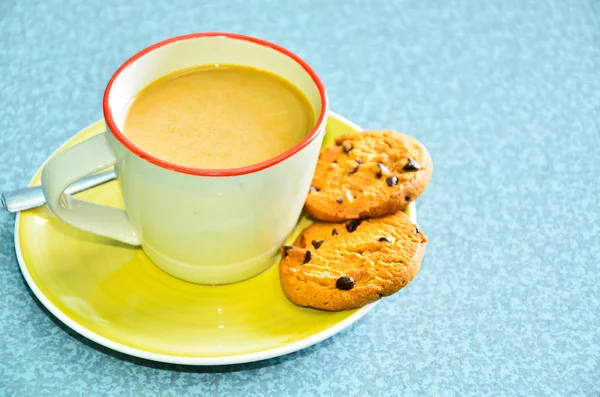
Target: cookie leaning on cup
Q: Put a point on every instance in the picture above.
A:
(368, 174)
(340, 266)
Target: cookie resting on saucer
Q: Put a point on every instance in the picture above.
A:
(340, 266)
(368, 174)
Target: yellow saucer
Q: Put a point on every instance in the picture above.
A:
(113, 295)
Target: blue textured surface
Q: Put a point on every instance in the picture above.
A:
(505, 94)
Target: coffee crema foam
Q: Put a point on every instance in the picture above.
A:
(216, 117)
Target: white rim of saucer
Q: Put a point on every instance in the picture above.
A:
(184, 360)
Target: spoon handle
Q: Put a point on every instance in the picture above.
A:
(32, 197)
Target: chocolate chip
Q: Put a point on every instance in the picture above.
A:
(334, 232)
(347, 147)
(407, 198)
(387, 240)
(352, 225)
(391, 181)
(307, 257)
(339, 200)
(334, 161)
(286, 248)
(358, 161)
(317, 244)
(382, 168)
(417, 230)
(412, 165)
(354, 170)
(344, 283)
(314, 189)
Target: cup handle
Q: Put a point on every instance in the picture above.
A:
(64, 168)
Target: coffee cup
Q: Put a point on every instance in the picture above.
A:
(202, 225)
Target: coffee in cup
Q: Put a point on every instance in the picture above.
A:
(218, 116)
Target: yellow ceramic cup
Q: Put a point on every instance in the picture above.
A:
(209, 226)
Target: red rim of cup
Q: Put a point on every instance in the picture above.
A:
(215, 172)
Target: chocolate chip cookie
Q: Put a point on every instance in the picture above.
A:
(368, 174)
(340, 266)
